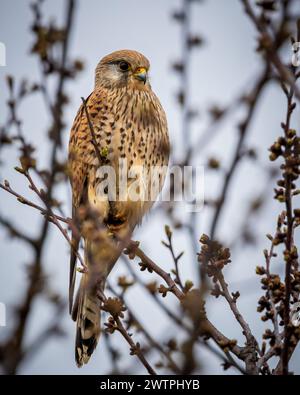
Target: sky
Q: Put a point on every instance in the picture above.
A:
(225, 66)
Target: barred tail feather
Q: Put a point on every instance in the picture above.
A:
(99, 258)
(88, 322)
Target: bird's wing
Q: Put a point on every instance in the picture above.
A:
(77, 173)
(79, 146)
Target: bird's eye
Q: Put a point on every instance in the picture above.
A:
(124, 66)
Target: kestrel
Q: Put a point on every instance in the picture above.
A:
(122, 120)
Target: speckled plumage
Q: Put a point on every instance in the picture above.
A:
(129, 123)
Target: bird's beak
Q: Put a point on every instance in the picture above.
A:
(141, 74)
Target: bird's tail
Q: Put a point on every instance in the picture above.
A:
(99, 258)
(87, 319)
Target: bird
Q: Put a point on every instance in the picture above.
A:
(121, 121)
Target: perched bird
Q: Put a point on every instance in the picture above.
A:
(121, 121)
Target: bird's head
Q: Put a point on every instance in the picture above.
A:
(123, 68)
